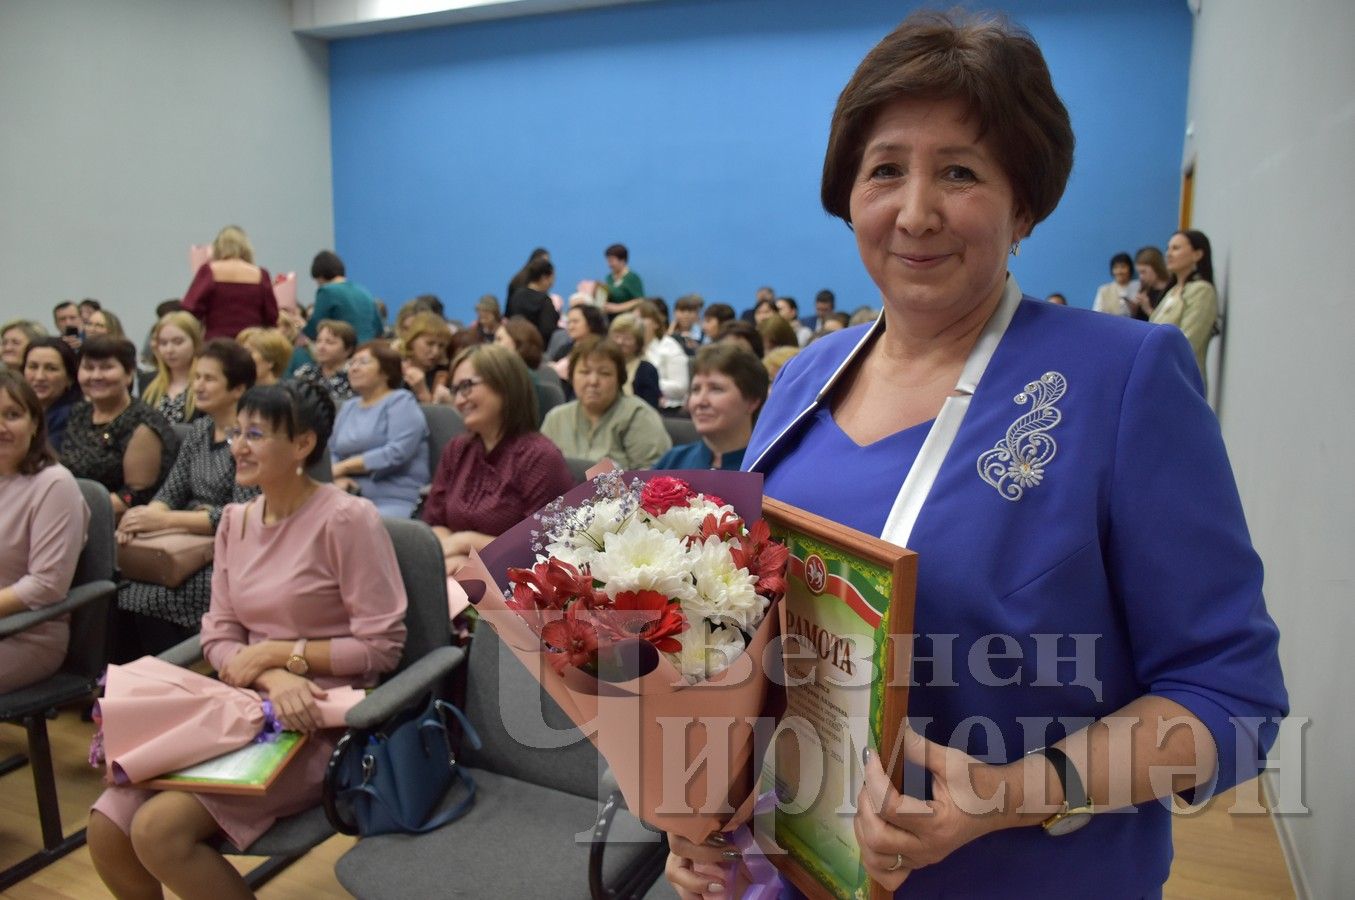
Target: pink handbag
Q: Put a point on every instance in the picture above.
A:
(166, 558)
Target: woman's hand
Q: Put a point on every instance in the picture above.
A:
(245, 667)
(353, 465)
(415, 380)
(898, 833)
(700, 871)
(347, 484)
(141, 519)
(293, 699)
(442, 394)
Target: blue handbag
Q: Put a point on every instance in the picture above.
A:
(395, 779)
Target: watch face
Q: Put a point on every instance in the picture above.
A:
(1068, 823)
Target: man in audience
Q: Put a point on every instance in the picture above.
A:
(69, 325)
(533, 301)
(717, 314)
(824, 303)
(790, 311)
(686, 328)
(339, 299)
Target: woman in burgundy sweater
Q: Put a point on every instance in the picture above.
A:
(230, 293)
(502, 469)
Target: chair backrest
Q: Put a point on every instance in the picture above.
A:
(681, 430)
(579, 468)
(419, 556)
(88, 650)
(444, 423)
(320, 471)
(548, 396)
(525, 733)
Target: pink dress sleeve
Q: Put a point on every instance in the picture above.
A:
(57, 535)
(222, 634)
(372, 590)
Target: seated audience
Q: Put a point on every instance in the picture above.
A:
(51, 369)
(532, 301)
(716, 315)
(863, 315)
(88, 307)
(777, 332)
(836, 321)
(604, 422)
(14, 340)
(380, 443)
(1116, 296)
(306, 596)
(487, 318)
(201, 483)
(581, 321)
(743, 333)
(103, 322)
(642, 379)
(763, 310)
(686, 327)
(1153, 279)
(290, 323)
(790, 311)
(777, 357)
(111, 437)
(176, 341)
(339, 299)
(666, 355)
(521, 336)
(230, 293)
(45, 522)
(502, 469)
(70, 326)
(729, 386)
(335, 341)
(424, 347)
(272, 353)
(824, 303)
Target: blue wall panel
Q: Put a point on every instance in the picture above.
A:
(693, 131)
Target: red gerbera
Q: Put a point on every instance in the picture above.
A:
(647, 615)
(763, 557)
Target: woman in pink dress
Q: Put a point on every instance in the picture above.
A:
(306, 595)
(45, 522)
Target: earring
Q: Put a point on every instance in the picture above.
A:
(300, 470)
(1016, 248)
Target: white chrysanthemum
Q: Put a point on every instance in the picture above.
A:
(568, 551)
(580, 547)
(724, 592)
(686, 520)
(641, 558)
(706, 651)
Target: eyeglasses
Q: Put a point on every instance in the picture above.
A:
(462, 388)
(253, 437)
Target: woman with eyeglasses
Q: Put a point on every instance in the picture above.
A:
(502, 469)
(201, 483)
(306, 596)
(380, 444)
(112, 437)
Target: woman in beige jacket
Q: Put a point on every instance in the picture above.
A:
(1190, 302)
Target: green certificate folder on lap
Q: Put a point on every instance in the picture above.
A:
(251, 770)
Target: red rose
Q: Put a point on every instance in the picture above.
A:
(663, 493)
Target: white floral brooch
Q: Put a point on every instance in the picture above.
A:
(1018, 460)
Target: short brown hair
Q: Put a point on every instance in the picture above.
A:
(40, 454)
(590, 346)
(995, 67)
(391, 365)
(777, 332)
(743, 368)
(504, 372)
(271, 344)
(527, 338)
(341, 330)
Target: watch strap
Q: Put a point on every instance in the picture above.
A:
(1074, 791)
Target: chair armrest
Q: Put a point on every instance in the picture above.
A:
(406, 687)
(79, 596)
(184, 653)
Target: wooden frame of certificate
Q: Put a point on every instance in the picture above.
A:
(847, 621)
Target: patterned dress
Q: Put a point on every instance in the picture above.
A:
(203, 478)
(95, 451)
(337, 384)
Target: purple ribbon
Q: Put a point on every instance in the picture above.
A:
(764, 881)
(272, 725)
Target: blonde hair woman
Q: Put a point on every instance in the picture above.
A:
(230, 293)
(272, 353)
(642, 379)
(424, 347)
(176, 342)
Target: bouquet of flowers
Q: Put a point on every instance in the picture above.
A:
(644, 597)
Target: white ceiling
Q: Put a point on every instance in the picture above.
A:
(351, 18)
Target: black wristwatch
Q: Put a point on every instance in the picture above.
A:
(1077, 806)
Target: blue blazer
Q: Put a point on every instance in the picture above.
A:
(1131, 537)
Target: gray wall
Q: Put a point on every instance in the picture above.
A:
(1272, 102)
(131, 129)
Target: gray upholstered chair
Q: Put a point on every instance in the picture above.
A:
(681, 430)
(548, 396)
(530, 831)
(444, 423)
(579, 468)
(89, 605)
(427, 660)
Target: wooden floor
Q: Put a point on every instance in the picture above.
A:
(1217, 855)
